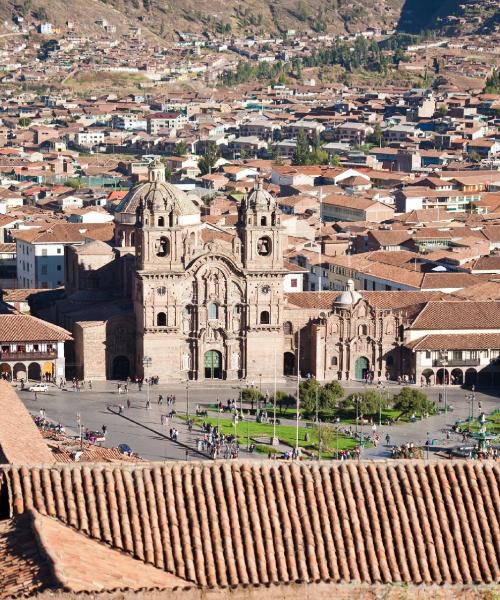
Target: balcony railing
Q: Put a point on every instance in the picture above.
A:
(457, 362)
(11, 356)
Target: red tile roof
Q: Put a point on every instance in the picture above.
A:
(225, 524)
(20, 440)
(25, 328)
(457, 315)
(465, 341)
(38, 553)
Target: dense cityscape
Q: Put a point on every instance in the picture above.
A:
(249, 299)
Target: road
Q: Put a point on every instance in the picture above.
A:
(141, 429)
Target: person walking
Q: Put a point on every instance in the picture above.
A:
(387, 439)
(160, 399)
(128, 402)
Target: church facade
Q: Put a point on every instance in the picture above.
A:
(206, 309)
(185, 300)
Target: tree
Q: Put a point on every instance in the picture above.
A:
(302, 149)
(326, 397)
(207, 162)
(24, 122)
(251, 396)
(180, 148)
(410, 400)
(370, 402)
(375, 138)
(475, 156)
(493, 83)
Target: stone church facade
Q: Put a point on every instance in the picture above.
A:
(186, 300)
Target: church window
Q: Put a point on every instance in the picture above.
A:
(161, 291)
(132, 238)
(161, 319)
(161, 222)
(213, 311)
(163, 247)
(334, 361)
(390, 361)
(293, 283)
(264, 246)
(263, 221)
(264, 317)
(287, 328)
(171, 219)
(363, 330)
(237, 309)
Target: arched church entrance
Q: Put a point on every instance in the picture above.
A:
(361, 368)
(213, 364)
(121, 367)
(289, 363)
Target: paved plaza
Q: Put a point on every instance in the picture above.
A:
(142, 430)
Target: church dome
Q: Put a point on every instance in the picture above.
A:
(261, 199)
(349, 297)
(157, 195)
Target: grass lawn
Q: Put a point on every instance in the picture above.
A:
(247, 431)
(492, 424)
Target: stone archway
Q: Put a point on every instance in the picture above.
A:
(19, 371)
(428, 375)
(34, 371)
(442, 377)
(213, 364)
(5, 371)
(470, 377)
(289, 363)
(361, 368)
(457, 377)
(121, 367)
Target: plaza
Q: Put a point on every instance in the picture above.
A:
(143, 431)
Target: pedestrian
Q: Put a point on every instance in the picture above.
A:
(160, 399)
(128, 402)
(104, 429)
(36, 396)
(90, 385)
(387, 439)
(148, 405)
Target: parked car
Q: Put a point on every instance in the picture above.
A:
(39, 387)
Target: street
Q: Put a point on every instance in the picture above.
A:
(142, 430)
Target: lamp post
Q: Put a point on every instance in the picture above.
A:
(79, 421)
(187, 398)
(147, 361)
(444, 364)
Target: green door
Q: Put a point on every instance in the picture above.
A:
(213, 365)
(361, 368)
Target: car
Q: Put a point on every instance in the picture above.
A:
(39, 387)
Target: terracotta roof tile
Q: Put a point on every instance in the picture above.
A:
(25, 328)
(466, 341)
(226, 524)
(20, 440)
(38, 552)
(455, 316)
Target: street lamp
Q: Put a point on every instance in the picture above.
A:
(444, 364)
(187, 398)
(79, 421)
(147, 361)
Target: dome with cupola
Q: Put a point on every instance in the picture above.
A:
(156, 196)
(349, 297)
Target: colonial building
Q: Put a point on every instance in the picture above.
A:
(31, 348)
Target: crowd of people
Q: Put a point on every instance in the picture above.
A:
(217, 444)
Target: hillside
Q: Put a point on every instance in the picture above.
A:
(166, 17)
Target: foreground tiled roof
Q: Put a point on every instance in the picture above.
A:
(37, 553)
(20, 440)
(224, 524)
(25, 328)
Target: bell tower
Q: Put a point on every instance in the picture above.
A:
(263, 239)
